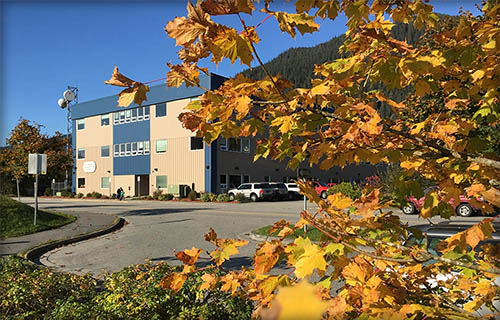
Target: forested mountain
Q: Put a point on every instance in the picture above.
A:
(297, 64)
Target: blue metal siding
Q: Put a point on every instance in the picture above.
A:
(131, 165)
(156, 94)
(131, 132)
(208, 167)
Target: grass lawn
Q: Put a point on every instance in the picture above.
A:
(16, 219)
(312, 233)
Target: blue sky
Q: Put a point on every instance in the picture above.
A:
(47, 46)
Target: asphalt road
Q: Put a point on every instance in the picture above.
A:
(155, 230)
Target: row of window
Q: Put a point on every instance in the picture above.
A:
(80, 123)
(235, 144)
(131, 115)
(139, 148)
(105, 182)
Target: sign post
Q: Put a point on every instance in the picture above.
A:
(37, 164)
(303, 174)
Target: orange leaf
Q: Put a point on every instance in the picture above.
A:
(188, 256)
(173, 281)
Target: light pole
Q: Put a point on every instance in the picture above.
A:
(70, 95)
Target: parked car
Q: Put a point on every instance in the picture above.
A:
(435, 233)
(280, 190)
(463, 209)
(254, 191)
(320, 188)
(293, 191)
(331, 184)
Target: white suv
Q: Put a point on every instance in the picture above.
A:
(293, 191)
(254, 191)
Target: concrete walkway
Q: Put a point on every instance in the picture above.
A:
(86, 222)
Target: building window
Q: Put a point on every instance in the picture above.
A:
(146, 147)
(140, 147)
(105, 182)
(140, 114)
(116, 118)
(234, 144)
(104, 151)
(81, 182)
(128, 115)
(117, 150)
(161, 146)
(122, 116)
(223, 144)
(146, 113)
(161, 110)
(245, 145)
(122, 149)
(134, 115)
(134, 148)
(196, 143)
(161, 182)
(80, 124)
(81, 153)
(223, 181)
(104, 120)
(128, 148)
(246, 179)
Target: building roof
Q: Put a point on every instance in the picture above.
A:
(157, 94)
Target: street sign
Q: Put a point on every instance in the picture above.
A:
(37, 163)
(303, 173)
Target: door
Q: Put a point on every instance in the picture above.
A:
(141, 185)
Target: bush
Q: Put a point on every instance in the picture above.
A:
(223, 197)
(157, 193)
(88, 195)
(192, 195)
(348, 189)
(212, 196)
(67, 194)
(149, 197)
(170, 196)
(240, 197)
(79, 195)
(96, 195)
(166, 196)
(28, 291)
(205, 197)
(48, 192)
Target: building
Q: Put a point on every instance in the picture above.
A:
(144, 148)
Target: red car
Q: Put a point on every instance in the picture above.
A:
(320, 188)
(463, 209)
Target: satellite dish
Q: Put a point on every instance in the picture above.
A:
(69, 95)
(62, 103)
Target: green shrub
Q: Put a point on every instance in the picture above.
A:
(223, 197)
(192, 195)
(79, 195)
(48, 192)
(170, 196)
(66, 193)
(240, 197)
(96, 195)
(397, 184)
(149, 197)
(205, 197)
(212, 196)
(88, 195)
(30, 292)
(157, 193)
(348, 189)
(166, 196)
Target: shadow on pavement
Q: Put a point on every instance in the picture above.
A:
(11, 242)
(154, 212)
(155, 223)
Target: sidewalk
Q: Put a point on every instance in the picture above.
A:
(86, 222)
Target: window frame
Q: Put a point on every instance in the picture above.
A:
(128, 149)
(105, 117)
(223, 146)
(140, 148)
(79, 185)
(78, 154)
(133, 118)
(242, 143)
(122, 119)
(116, 118)
(140, 114)
(146, 113)
(122, 149)
(156, 109)
(238, 143)
(191, 143)
(128, 115)
(116, 153)
(109, 183)
(134, 148)
(109, 151)
(156, 182)
(80, 124)
(147, 149)
(156, 146)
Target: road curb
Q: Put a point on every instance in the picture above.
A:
(36, 252)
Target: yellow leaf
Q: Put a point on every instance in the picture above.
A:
(300, 302)
(479, 74)
(209, 281)
(118, 79)
(173, 281)
(412, 164)
(135, 94)
(310, 260)
(339, 201)
(417, 128)
(188, 256)
(422, 88)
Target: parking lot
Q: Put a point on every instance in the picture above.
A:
(156, 229)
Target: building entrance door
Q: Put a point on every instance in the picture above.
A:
(141, 185)
(234, 181)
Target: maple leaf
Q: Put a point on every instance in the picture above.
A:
(118, 79)
(209, 281)
(229, 44)
(300, 302)
(266, 256)
(188, 256)
(288, 22)
(230, 283)
(223, 7)
(312, 258)
(173, 281)
(135, 94)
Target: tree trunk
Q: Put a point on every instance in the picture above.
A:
(18, 195)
